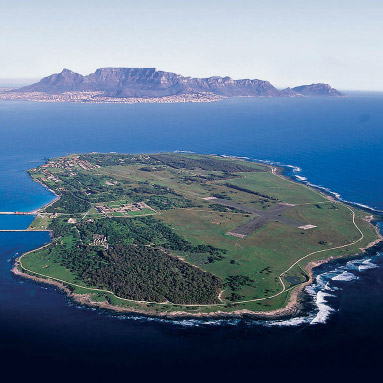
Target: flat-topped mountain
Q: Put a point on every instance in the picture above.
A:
(151, 83)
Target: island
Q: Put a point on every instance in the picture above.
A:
(184, 234)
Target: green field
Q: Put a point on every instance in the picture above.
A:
(213, 244)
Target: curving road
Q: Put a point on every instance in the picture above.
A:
(283, 290)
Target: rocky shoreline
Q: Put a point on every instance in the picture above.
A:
(293, 308)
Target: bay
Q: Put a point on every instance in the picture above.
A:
(335, 143)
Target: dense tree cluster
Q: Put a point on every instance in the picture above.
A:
(60, 228)
(138, 272)
(144, 273)
(69, 203)
(136, 264)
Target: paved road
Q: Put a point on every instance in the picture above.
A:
(15, 213)
(262, 217)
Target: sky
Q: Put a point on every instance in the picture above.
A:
(287, 42)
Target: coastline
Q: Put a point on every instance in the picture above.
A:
(56, 198)
(293, 304)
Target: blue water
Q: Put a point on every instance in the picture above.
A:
(338, 144)
(12, 222)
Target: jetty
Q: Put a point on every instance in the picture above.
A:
(21, 230)
(16, 213)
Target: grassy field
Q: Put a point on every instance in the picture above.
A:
(180, 187)
(41, 222)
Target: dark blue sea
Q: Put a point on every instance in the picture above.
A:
(336, 144)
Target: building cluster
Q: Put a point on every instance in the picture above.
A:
(122, 208)
(47, 175)
(98, 98)
(100, 240)
(68, 163)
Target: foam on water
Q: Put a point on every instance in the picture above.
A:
(333, 281)
(296, 321)
(367, 265)
(324, 309)
(345, 277)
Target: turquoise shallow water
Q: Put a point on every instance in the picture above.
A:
(337, 144)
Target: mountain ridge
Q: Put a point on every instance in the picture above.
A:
(151, 83)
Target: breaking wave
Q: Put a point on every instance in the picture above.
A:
(345, 277)
(324, 309)
(334, 281)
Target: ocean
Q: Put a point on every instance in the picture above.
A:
(336, 144)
